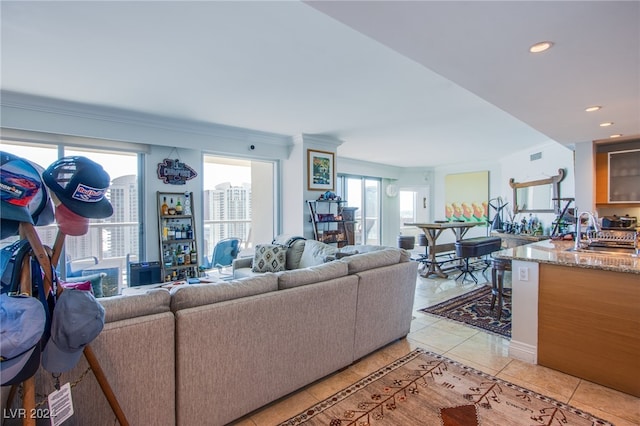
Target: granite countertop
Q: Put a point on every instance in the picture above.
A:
(527, 237)
(559, 253)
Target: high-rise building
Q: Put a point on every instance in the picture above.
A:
(229, 207)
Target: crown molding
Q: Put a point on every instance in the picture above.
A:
(39, 104)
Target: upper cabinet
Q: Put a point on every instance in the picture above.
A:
(618, 176)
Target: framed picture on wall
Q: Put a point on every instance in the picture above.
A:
(320, 170)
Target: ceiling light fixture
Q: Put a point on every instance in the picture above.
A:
(541, 47)
(617, 135)
(606, 124)
(593, 108)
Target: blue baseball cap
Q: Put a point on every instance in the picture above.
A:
(81, 185)
(24, 196)
(23, 322)
(78, 318)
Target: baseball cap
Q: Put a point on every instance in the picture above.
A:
(81, 185)
(16, 170)
(23, 321)
(77, 319)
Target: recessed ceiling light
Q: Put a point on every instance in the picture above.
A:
(541, 47)
(606, 124)
(593, 108)
(617, 135)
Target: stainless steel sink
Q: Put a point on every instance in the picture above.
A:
(614, 251)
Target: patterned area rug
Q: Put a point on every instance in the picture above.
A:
(474, 308)
(424, 388)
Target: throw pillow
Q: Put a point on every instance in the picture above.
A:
(269, 258)
(94, 279)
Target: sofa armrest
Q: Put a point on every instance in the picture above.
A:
(242, 262)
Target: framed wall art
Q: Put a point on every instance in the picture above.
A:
(466, 197)
(321, 170)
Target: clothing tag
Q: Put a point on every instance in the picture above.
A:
(60, 405)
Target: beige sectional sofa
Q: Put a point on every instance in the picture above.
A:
(211, 353)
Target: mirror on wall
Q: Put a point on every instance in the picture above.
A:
(537, 196)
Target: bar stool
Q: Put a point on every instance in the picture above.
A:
(497, 277)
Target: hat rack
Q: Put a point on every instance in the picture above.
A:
(46, 259)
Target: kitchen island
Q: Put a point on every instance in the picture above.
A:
(577, 312)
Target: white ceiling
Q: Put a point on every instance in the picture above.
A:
(413, 84)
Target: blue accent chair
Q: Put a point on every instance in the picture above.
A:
(224, 252)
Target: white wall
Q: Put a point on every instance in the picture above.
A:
(520, 167)
(156, 155)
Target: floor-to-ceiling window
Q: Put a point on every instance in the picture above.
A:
(109, 242)
(238, 200)
(363, 193)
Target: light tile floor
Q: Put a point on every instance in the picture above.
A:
(483, 351)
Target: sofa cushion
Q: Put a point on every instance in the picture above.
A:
(295, 246)
(151, 302)
(269, 258)
(312, 274)
(189, 296)
(315, 253)
(375, 259)
(405, 255)
(361, 248)
(294, 253)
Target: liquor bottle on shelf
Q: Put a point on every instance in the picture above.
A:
(187, 204)
(165, 230)
(164, 209)
(194, 255)
(178, 207)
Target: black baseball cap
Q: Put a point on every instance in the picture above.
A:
(81, 185)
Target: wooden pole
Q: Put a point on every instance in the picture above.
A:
(29, 385)
(88, 351)
(104, 385)
(27, 230)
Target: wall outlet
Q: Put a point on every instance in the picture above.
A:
(523, 274)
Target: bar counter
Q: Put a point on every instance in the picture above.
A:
(559, 253)
(577, 312)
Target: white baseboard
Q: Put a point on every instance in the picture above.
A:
(523, 352)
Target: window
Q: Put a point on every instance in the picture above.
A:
(363, 193)
(407, 207)
(238, 201)
(110, 242)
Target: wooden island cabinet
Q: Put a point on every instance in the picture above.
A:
(577, 312)
(589, 325)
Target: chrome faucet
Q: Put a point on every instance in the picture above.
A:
(594, 223)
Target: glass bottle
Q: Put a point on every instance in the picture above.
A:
(178, 207)
(164, 209)
(187, 204)
(194, 255)
(172, 209)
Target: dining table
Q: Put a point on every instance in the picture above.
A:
(432, 232)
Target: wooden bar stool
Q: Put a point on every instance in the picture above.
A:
(497, 278)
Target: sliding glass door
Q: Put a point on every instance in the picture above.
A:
(363, 193)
